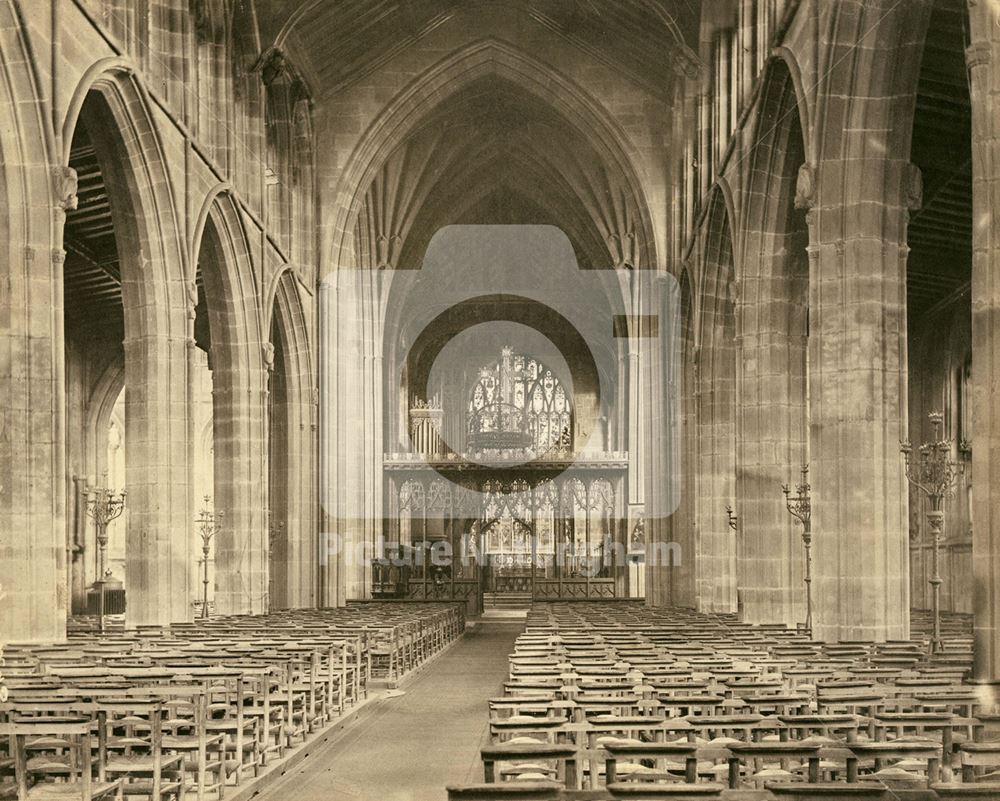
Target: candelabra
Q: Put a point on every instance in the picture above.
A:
(732, 518)
(103, 506)
(209, 523)
(932, 471)
(799, 506)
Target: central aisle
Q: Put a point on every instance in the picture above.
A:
(410, 747)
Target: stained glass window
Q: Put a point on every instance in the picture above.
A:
(518, 405)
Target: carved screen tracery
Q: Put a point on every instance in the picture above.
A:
(518, 405)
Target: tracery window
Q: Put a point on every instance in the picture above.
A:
(519, 406)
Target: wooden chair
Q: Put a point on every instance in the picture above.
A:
(53, 761)
(883, 753)
(186, 733)
(773, 751)
(565, 756)
(660, 753)
(130, 747)
(978, 758)
(227, 697)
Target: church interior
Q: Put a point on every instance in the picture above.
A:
(410, 400)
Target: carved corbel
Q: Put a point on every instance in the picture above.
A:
(622, 247)
(273, 65)
(805, 187)
(65, 185)
(192, 300)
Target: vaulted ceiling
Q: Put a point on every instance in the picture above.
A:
(493, 153)
(335, 43)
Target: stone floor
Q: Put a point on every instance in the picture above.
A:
(410, 747)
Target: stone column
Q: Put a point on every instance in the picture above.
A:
(670, 572)
(857, 395)
(772, 423)
(347, 432)
(716, 439)
(983, 57)
(32, 444)
(157, 553)
(241, 481)
(716, 406)
(772, 451)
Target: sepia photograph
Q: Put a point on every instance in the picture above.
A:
(500, 400)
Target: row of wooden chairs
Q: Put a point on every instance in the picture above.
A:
(619, 700)
(160, 712)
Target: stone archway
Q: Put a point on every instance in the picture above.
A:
(716, 404)
(489, 58)
(111, 109)
(384, 216)
(227, 327)
(294, 551)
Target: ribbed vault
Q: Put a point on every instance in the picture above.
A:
(496, 154)
(645, 39)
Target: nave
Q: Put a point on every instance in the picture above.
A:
(412, 746)
(327, 326)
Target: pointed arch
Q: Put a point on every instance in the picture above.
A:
(237, 357)
(450, 76)
(716, 404)
(114, 105)
(113, 108)
(291, 451)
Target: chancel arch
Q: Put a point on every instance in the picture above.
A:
(481, 70)
(405, 184)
